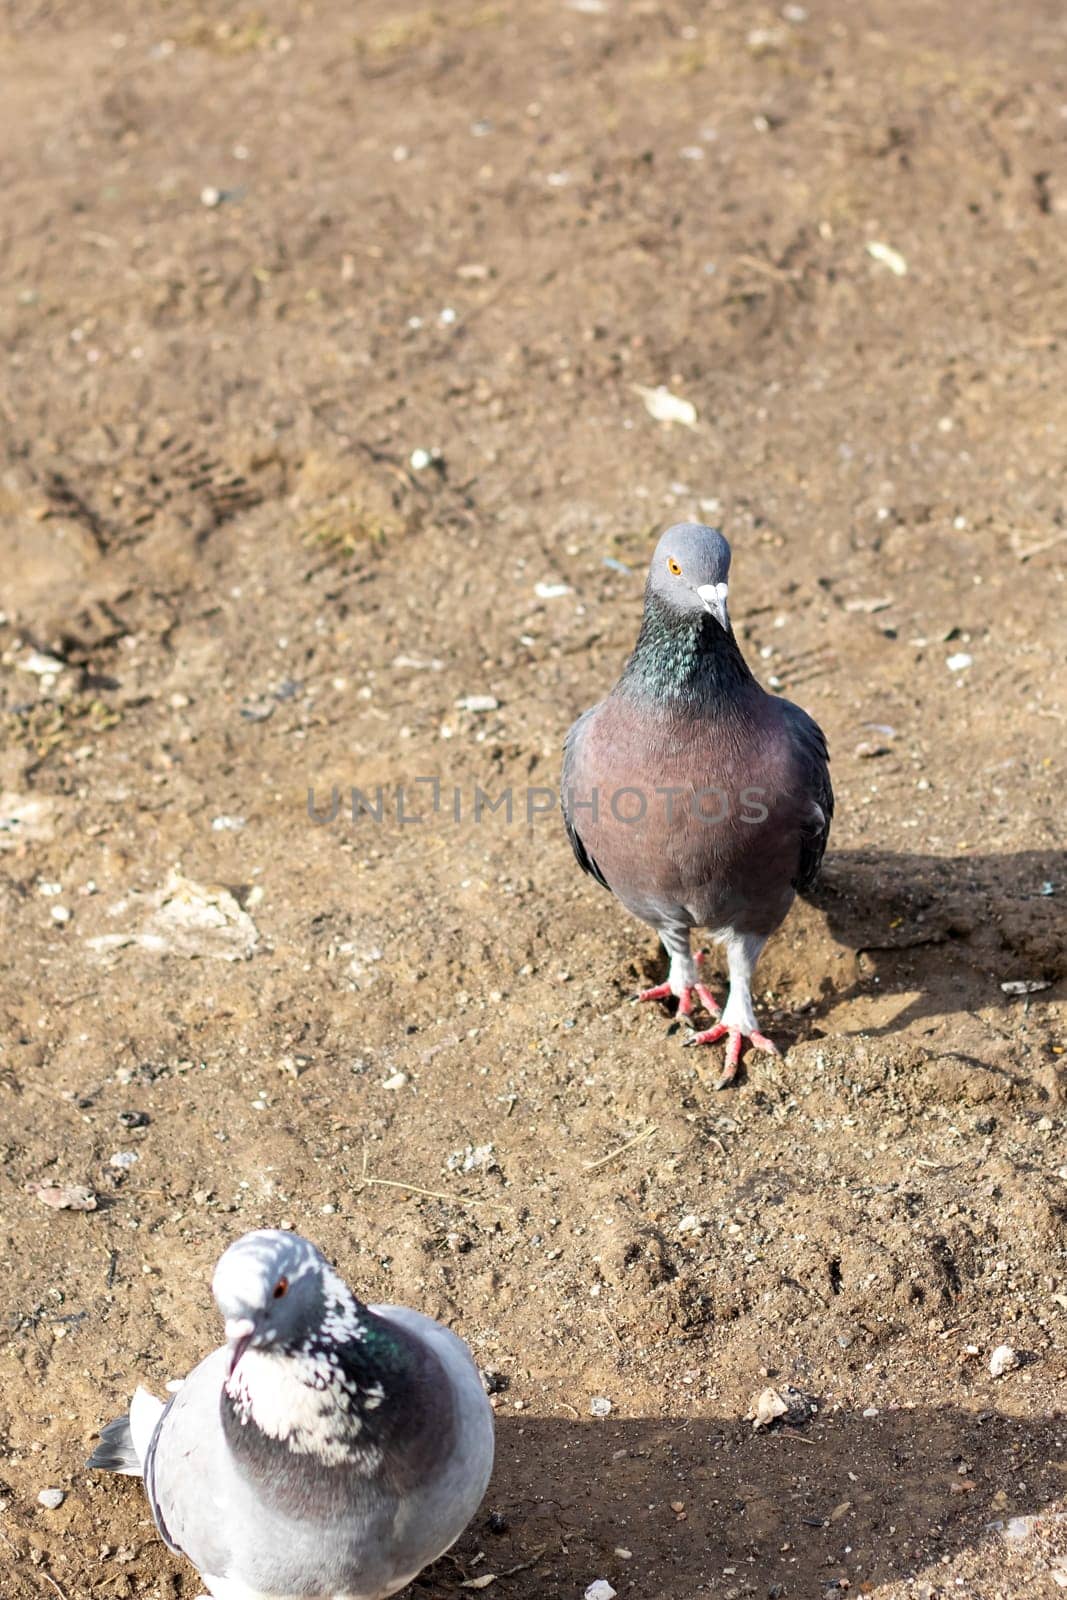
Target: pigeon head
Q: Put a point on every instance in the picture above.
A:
(686, 654)
(274, 1289)
(311, 1369)
(690, 570)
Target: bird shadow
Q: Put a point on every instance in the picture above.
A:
(946, 931)
(668, 1507)
(905, 938)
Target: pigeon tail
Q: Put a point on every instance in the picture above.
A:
(124, 1442)
(145, 1412)
(115, 1452)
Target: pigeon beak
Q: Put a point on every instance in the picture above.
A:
(239, 1331)
(714, 598)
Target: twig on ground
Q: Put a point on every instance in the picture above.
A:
(413, 1188)
(590, 1166)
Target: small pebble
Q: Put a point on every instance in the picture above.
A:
(959, 662)
(888, 257)
(60, 914)
(210, 196)
(51, 1499)
(1004, 1359)
(869, 750)
(664, 406)
(396, 1081)
(478, 702)
(600, 1589)
(599, 1406)
(123, 1159)
(41, 666)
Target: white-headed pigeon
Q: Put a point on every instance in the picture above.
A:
(329, 1450)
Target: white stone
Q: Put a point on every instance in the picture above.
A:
(1004, 1359)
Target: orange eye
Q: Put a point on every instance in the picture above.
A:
(281, 1287)
(672, 566)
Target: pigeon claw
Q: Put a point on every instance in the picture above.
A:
(708, 1000)
(686, 1003)
(735, 1038)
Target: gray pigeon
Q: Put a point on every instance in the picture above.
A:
(328, 1451)
(697, 798)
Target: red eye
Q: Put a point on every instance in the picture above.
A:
(281, 1287)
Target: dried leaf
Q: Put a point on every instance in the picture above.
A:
(64, 1196)
(766, 1408)
(789, 1402)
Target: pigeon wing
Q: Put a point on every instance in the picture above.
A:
(570, 750)
(810, 743)
(186, 1469)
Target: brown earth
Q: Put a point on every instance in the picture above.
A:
(477, 228)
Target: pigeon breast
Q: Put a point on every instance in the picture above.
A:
(691, 819)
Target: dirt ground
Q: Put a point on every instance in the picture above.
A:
(253, 259)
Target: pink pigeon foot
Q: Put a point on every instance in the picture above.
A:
(664, 991)
(736, 1038)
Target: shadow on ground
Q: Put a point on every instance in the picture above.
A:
(947, 929)
(867, 1498)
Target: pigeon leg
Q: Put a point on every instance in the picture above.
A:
(738, 1021)
(683, 979)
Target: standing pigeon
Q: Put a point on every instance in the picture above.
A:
(328, 1451)
(697, 798)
